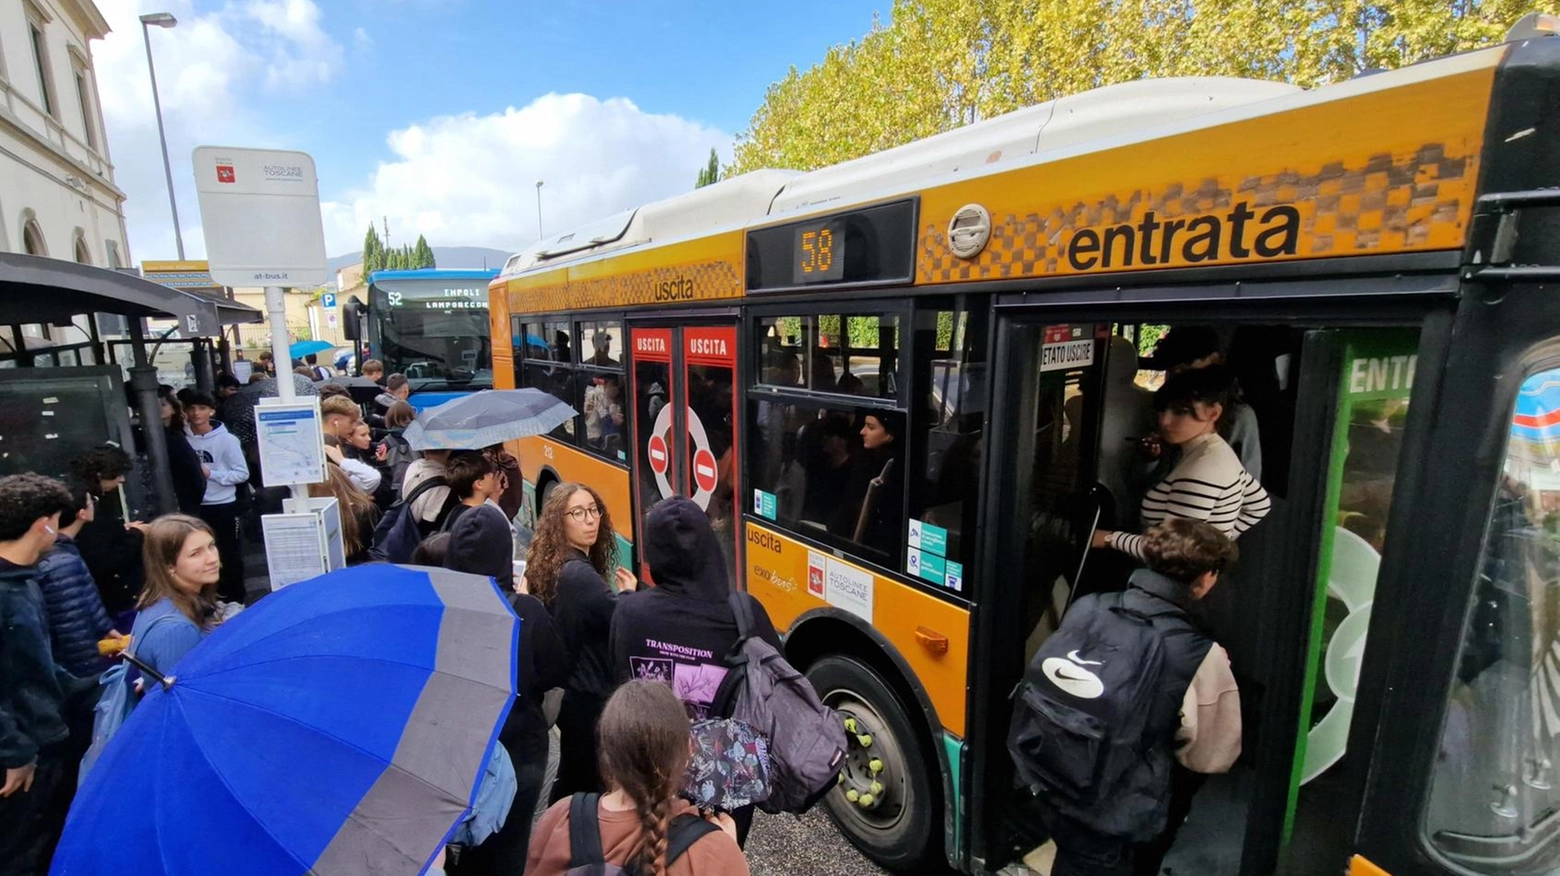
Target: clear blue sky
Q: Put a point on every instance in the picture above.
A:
(364, 85)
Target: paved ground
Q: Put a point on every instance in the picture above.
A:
(783, 845)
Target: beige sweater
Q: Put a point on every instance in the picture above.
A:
(1210, 717)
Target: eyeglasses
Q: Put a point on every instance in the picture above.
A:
(581, 515)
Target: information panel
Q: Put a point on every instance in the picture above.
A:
(873, 245)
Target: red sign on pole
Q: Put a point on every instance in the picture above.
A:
(704, 473)
(658, 454)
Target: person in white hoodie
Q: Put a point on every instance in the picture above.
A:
(222, 462)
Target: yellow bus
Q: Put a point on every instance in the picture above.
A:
(909, 388)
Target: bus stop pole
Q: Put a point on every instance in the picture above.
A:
(143, 381)
(276, 311)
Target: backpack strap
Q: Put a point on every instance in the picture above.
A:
(584, 831)
(743, 613)
(425, 486)
(686, 830)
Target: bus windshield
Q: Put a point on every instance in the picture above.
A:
(432, 326)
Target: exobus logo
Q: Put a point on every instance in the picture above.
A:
(651, 344)
(707, 347)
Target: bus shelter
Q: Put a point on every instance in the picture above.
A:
(56, 397)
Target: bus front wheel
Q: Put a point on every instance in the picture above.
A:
(887, 800)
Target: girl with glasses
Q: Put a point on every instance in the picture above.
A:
(573, 569)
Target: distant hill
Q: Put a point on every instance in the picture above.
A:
(446, 256)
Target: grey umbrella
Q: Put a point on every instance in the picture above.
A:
(485, 418)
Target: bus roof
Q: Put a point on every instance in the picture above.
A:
(434, 274)
(1174, 128)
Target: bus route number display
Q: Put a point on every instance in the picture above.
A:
(820, 253)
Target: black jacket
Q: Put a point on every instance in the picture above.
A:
(681, 630)
(189, 482)
(32, 701)
(113, 555)
(582, 605)
(481, 544)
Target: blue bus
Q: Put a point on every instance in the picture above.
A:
(431, 325)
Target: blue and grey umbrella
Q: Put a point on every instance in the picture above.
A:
(485, 418)
(337, 727)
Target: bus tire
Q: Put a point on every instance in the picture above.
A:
(901, 827)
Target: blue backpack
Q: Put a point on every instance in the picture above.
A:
(114, 705)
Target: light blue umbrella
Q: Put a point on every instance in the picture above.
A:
(337, 728)
(299, 349)
(485, 418)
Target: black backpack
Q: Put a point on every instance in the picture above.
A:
(1084, 735)
(400, 532)
(585, 855)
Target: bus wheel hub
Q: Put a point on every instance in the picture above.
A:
(863, 773)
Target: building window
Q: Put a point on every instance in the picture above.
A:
(40, 50)
(84, 101)
(83, 254)
(32, 239)
(111, 247)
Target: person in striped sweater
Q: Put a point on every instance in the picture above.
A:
(1208, 483)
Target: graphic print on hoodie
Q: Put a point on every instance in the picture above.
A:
(220, 451)
(680, 631)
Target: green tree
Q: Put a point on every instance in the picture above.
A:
(941, 64)
(423, 253)
(373, 251)
(710, 173)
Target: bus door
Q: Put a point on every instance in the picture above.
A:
(685, 423)
(1464, 767)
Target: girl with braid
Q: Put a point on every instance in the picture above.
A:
(642, 823)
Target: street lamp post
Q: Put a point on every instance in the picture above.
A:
(538, 209)
(162, 19)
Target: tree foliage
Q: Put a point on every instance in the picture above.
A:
(422, 253)
(941, 64)
(710, 173)
(373, 251)
(378, 257)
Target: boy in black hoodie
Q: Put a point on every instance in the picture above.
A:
(681, 630)
(481, 543)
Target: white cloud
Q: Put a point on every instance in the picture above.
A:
(208, 69)
(471, 179)
(361, 40)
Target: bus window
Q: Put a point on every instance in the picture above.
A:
(832, 472)
(603, 401)
(851, 354)
(950, 384)
(710, 390)
(653, 418)
(557, 381)
(560, 341)
(1494, 788)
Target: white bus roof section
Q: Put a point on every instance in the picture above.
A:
(732, 202)
(1079, 118)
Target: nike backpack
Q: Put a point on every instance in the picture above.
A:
(1082, 736)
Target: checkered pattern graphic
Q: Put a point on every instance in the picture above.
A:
(1418, 200)
(710, 280)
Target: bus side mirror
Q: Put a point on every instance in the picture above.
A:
(352, 319)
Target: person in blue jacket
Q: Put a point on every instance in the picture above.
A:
(77, 618)
(178, 602)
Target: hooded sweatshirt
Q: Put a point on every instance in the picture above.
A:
(220, 451)
(681, 630)
(482, 544)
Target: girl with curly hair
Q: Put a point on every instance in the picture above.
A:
(573, 557)
(644, 752)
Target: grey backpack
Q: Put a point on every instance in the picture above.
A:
(806, 738)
